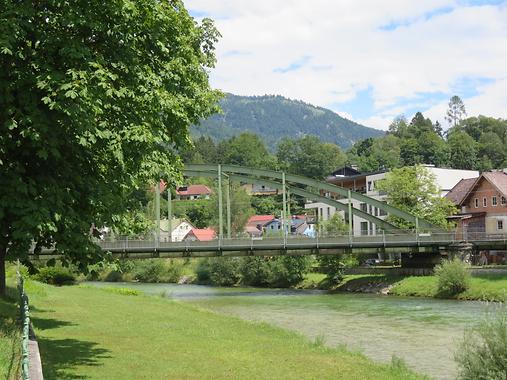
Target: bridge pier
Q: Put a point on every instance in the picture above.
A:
(462, 251)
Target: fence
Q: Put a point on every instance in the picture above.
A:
(25, 320)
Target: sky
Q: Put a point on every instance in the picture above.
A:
(368, 60)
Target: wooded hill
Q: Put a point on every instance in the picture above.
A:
(275, 117)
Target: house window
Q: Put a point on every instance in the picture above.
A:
(376, 211)
(363, 206)
(493, 201)
(484, 202)
(499, 224)
(328, 212)
(476, 201)
(382, 212)
(370, 187)
(364, 228)
(371, 210)
(503, 201)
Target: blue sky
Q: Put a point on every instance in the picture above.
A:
(368, 60)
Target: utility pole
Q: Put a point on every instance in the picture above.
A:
(350, 214)
(220, 211)
(284, 200)
(169, 213)
(157, 210)
(228, 207)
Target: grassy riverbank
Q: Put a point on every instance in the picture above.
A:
(10, 340)
(100, 334)
(486, 287)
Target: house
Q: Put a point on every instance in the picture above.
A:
(201, 234)
(483, 204)
(365, 183)
(298, 225)
(256, 224)
(259, 190)
(192, 192)
(179, 229)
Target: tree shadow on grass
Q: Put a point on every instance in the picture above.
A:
(48, 323)
(61, 357)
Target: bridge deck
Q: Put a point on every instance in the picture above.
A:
(422, 242)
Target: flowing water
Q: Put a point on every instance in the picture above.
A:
(423, 332)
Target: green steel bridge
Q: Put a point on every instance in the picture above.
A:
(424, 238)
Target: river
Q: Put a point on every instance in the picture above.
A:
(423, 332)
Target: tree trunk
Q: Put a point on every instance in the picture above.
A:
(2, 272)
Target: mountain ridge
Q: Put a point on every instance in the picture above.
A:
(273, 117)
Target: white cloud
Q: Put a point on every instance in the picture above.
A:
(346, 51)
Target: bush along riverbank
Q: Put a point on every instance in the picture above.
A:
(289, 271)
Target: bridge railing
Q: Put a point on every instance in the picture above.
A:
(277, 241)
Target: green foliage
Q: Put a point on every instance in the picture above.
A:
(483, 353)
(256, 271)
(275, 117)
(310, 157)
(413, 189)
(94, 98)
(332, 266)
(453, 277)
(156, 270)
(122, 291)
(246, 149)
(335, 226)
(279, 271)
(55, 276)
(224, 271)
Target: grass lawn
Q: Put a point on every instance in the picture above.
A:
(10, 340)
(87, 333)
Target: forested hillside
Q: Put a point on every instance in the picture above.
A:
(275, 117)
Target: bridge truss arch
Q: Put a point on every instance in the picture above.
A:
(304, 187)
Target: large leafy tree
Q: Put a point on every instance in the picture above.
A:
(413, 189)
(95, 97)
(310, 157)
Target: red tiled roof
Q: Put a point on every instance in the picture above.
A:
(460, 190)
(260, 219)
(194, 190)
(203, 234)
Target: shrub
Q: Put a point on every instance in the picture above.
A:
(255, 271)
(280, 271)
(112, 276)
(157, 270)
(202, 272)
(332, 266)
(122, 291)
(483, 352)
(55, 276)
(223, 271)
(289, 270)
(453, 277)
